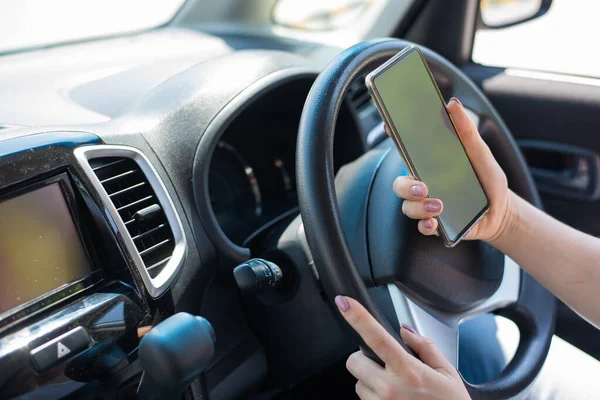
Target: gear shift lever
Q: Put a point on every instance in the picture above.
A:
(173, 354)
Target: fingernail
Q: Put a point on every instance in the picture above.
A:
(342, 303)
(428, 224)
(417, 190)
(456, 100)
(408, 328)
(433, 206)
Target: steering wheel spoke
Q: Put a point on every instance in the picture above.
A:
(442, 327)
(443, 333)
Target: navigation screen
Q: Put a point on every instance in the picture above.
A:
(40, 248)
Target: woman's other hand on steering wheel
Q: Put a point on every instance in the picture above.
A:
(417, 205)
(404, 376)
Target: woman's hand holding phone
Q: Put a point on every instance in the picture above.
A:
(417, 205)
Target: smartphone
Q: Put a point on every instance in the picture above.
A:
(411, 105)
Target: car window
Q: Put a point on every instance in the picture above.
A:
(29, 24)
(564, 40)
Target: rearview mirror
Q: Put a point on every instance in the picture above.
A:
(497, 14)
(318, 15)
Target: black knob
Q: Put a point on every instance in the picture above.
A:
(147, 213)
(257, 274)
(173, 354)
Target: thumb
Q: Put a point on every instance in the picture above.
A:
(476, 148)
(464, 124)
(425, 348)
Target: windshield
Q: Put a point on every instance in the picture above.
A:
(319, 15)
(27, 24)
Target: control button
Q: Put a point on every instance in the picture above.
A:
(60, 348)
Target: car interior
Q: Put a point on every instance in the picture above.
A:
(181, 201)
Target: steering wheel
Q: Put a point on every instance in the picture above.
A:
(364, 247)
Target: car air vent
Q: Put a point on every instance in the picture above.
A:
(359, 95)
(141, 208)
(366, 112)
(138, 207)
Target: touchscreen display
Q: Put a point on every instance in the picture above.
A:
(40, 248)
(431, 142)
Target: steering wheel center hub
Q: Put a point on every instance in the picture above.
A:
(451, 280)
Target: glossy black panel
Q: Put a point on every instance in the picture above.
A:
(39, 154)
(110, 345)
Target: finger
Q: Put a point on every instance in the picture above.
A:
(387, 130)
(425, 348)
(422, 209)
(428, 226)
(408, 188)
(364, 369)
(373, 334)
(364, 392)
(464, 124)
(474, 145)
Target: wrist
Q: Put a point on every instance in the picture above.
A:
(509, 220)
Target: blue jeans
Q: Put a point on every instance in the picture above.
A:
(480, 356)
(486, 346)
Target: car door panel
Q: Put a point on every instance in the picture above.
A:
(556, 121)
(564, 119)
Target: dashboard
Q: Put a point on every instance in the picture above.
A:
(252, 176)
(245, 196)
(165, 171)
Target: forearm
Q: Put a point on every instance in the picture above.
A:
(564, 260)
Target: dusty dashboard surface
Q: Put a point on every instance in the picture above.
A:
(147, 117)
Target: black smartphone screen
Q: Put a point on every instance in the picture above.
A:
(419, 118)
